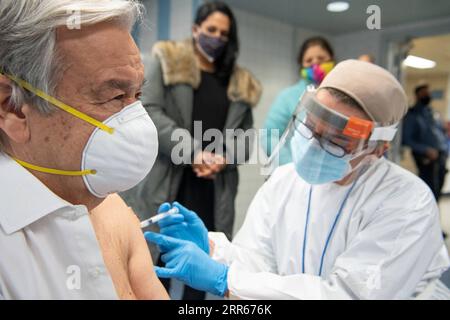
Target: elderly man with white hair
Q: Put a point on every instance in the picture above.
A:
(72, 134)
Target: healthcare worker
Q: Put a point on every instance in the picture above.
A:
(340, 222)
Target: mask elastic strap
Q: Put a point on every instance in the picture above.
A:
(60, 104)
(54, 171)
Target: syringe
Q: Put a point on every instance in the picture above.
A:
(158, 217)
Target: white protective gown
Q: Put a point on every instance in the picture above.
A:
(387, 243)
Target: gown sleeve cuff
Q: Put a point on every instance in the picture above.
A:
(222, 248)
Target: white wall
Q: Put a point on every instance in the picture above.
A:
(148, 30)
(352, 45)
(181, 19)
(180, 24)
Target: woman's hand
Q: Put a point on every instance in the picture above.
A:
(207, 165)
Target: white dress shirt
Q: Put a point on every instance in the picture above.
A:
(48, 247)
(387, 243)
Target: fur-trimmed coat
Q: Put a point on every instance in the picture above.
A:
(173, 74)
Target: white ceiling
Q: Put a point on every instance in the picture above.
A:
(312, 14)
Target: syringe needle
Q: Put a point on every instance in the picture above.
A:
(158, 217)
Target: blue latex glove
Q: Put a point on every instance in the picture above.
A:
(184, 226)
(186, 262)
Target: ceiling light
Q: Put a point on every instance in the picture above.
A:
(419, 63)
(338, 6)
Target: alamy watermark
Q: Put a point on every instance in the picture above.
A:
(233, 146)
(374, 20)
(73, 22)
(73, 281)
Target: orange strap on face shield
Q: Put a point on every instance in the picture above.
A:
(358, 128)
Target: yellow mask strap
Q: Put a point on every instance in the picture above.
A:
(54, 171)
(59, 104)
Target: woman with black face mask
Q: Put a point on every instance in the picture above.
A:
(195, 86)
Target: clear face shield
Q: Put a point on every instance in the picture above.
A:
(327, 146)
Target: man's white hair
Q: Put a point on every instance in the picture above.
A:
(27, 38)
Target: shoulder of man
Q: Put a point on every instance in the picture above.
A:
(114, 215)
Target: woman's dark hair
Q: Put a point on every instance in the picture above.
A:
(312, 42)
(225, 64)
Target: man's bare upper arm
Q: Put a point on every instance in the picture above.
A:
(123, 224)
(144, 281)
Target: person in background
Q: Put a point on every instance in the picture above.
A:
(193, 82)
(316, 60)
(424, 133)
(367, 58)
(448, 133)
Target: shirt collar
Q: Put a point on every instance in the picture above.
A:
(23, 198)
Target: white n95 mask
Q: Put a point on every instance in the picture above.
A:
(123, 159)
(119, 153)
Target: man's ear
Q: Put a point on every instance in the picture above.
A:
(13, 122)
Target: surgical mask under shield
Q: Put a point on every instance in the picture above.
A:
(323, 142)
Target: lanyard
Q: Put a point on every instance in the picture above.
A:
(330, 234)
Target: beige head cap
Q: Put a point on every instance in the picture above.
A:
(374, 88)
